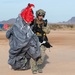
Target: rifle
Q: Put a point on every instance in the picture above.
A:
(43, 36)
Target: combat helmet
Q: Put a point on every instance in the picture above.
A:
(40, 12)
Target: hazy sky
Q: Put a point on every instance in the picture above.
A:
(56, 10)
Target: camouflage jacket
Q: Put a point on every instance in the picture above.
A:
(40, 26)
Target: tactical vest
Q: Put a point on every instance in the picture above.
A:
(38, 27)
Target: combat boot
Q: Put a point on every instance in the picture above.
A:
(40, 69)
(34, 72)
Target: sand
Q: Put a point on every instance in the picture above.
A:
(60, 60)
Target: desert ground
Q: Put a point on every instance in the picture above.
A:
(59, 60)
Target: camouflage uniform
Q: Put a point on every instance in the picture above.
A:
(36, 64)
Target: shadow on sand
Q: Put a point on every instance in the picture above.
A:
(45, 61)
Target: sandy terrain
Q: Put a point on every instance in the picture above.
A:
(59, 61)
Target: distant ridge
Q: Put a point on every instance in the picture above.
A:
(10, 21)
(71, 21)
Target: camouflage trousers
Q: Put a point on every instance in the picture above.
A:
(35, 64)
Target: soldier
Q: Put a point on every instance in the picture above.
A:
(40, 28)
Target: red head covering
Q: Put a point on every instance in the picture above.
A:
(27, 13)
(31, 5)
